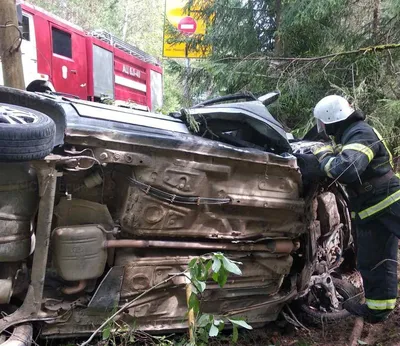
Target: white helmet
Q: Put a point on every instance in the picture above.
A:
(331, 109)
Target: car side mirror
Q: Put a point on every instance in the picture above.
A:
(269, 98)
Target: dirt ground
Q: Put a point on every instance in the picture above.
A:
(384, 334)
(284, 334)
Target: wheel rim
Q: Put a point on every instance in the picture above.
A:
(12, 117)
(319, 302)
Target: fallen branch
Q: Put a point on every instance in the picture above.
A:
(362, 50)
(357, 330)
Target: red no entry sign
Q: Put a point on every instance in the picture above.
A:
(187, 26)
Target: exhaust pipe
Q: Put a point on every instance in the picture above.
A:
(273, 246)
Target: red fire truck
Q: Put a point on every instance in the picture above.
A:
(61, 57)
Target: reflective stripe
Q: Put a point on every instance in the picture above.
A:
(393, 198)
(381, 304)
(327, 148)
(386, 147)
(353, 215)
(361, 148)
(327, 167)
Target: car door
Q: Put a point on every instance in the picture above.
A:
(69, 67)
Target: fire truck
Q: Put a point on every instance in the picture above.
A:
(61, 57)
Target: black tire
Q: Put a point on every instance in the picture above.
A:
(315, 317)
(25, 142)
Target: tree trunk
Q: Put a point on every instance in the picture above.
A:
(376, 20)
(278, 42)
(10, 41)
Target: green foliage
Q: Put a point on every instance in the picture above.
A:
(246, 56)
(218, 268)
(172, 92)
(311, 27)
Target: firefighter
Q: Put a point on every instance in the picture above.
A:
(362, 162)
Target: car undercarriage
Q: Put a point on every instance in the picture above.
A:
(125, 200)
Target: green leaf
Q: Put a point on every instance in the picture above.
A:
(203, 335)
(215, 277)
(198, 268)
(106, 333)
(360, 342)
(208, 266)
(216, 265)
(193, 272)
(235, 334)
(213, 331)
(201, 285)
(218, 322)
(194, 287)
(203, 272)
(241, 323)
(222, 277)
(194, 303)
(192, 263)
(231, 267)
(221, 326)
(203, 320)
(219, 255)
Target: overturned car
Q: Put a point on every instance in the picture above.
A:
(100, 204)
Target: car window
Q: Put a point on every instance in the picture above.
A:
(62, 44)
(25, 28)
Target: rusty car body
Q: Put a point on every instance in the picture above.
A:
(126, 199)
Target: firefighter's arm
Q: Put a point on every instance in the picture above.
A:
(355, 155)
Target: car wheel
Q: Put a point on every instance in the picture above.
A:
(316, 308)
(25, 134)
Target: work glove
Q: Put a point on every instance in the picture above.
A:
(323, 152)
(309, 168)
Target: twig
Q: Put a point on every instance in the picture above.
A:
(296, 319)
(129, 304)
(357, 330)
(190, 312)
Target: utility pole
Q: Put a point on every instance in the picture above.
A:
(10, 42)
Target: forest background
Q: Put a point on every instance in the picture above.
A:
(263, 45)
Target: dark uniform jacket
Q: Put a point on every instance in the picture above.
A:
(363, 164)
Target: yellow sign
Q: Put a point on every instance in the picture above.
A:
(183, 30)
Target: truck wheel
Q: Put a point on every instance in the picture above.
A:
(25, 134)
